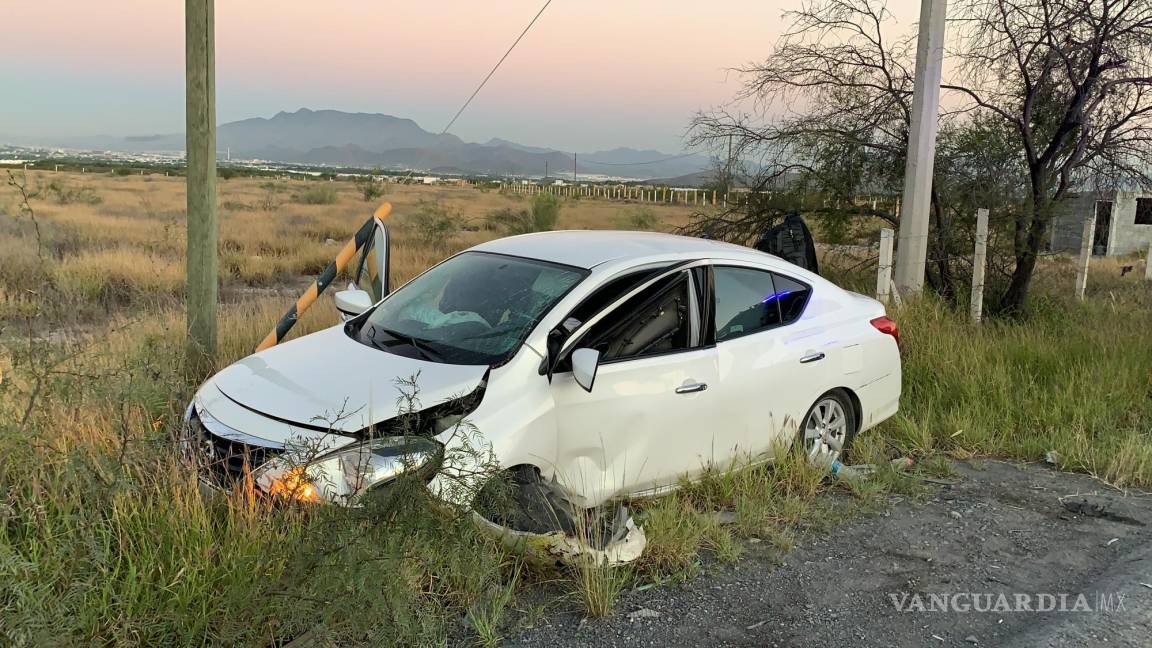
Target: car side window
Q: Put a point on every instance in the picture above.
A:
(793, 297)
(748, 300)
(745, 302)
(653, 322)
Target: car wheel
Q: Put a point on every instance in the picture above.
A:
(828, 428)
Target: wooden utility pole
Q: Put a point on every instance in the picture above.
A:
(200, 96)
(979, 263)
(912, 251)
(573, 168)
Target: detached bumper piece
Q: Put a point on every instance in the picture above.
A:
(535, 519)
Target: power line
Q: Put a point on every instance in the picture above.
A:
(495, 67)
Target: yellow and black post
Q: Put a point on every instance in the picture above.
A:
(324, 279)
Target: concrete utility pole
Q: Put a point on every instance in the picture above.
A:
(979, 264)
(912, 249)
(1085, 254)
(884, 268)
(200, 96)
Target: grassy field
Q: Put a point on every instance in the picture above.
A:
(104, 538)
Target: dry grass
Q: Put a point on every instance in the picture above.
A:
(126, 248)
(104, 540)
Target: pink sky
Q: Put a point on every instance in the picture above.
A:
(591, 73)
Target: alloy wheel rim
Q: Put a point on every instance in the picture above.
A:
(825, 431)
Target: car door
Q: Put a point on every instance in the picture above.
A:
(369, 282)
(770, 364)
(649, 417)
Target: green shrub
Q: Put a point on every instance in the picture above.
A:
(433, 223)
(370, 189)
(640, 218)
(318, 194)
(542, 217)
(64, 194)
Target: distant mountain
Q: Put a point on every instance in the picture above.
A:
(496, 141)
(309, 129)
(698, 179)
(370, 139)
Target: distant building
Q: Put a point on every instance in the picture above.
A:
(1123, 222)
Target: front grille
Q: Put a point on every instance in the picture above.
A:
(223, 461)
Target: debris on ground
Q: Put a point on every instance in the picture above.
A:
(536, 518)
(1098, 507)
(725, 517)
(1014, 538)
(557, 548)
(844, 471)
(643, 613)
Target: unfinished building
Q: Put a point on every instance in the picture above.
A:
(1123, 222)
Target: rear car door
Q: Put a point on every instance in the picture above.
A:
(771, 365)
(648, 419)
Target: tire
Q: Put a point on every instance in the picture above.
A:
(828, 428)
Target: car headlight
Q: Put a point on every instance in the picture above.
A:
(348, 472)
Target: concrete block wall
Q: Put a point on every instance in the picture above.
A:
(1124, 236)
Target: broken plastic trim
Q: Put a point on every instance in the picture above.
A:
(536, 518)
(557, 548)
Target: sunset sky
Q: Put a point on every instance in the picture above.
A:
(591, 74)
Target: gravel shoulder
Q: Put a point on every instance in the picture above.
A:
(1001, 528)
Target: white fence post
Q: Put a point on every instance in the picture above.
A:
(1148, 264)
(1085, 255)
(884, 269)
(979, 261)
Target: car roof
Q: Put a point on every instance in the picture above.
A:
(590, 248)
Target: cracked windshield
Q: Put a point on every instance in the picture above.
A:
(475, 308)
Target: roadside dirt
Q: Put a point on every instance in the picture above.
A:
(1000, 529)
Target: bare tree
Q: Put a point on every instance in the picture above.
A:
(1073, 80)
(832, 100)
(1047, 97)
(829, 109)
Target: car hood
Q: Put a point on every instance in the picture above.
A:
(329, 381)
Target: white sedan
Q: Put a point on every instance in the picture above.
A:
(606, 364)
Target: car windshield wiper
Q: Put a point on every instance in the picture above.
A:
(415, 342)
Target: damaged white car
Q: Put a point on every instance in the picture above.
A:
(598, 366)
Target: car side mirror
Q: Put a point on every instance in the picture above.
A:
(584, 364)
(352, 302)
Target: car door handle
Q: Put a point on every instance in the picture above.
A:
(812, 357)
(690, 388)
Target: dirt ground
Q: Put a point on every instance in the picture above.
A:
(999, 528)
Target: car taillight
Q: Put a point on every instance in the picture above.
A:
(887, 327)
